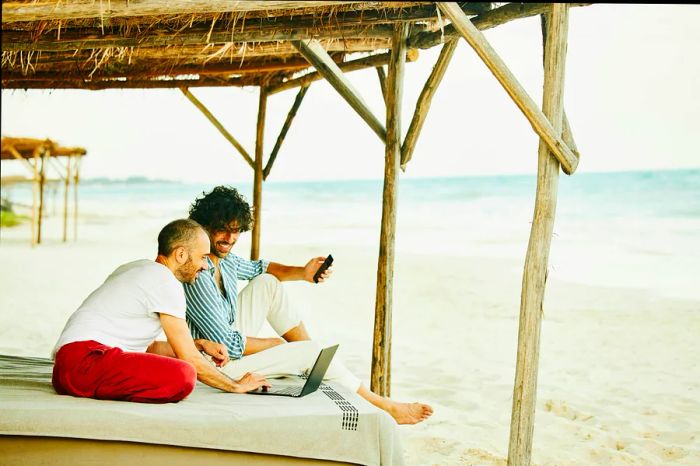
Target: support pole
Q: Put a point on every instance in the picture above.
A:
(381, 348)
(65, 200)
(258, 180)
(35, 194)
(536, 260)
(424, 101)
(381, 75)
(205, 111)
(314, 52)
(283, 132)
(76, 182)
(542, 126)
(42, 182)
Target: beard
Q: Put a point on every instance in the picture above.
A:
(187, 273)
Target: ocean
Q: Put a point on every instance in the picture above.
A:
(626, 229)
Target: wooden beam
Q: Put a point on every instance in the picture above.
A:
(486, 20)
(283, 133)
(59, 83)
(363, 63)
(522, 99)
(66, 183)
(76, 182)
(148, 69)
(319, 58)
(382, 81)
(42, 183)
(424, 101)
(35, 192)
(381, 348)
(218, 126)
(537, 258)
(258, 177)
(14, 11)
(18, 156)
(200, 35)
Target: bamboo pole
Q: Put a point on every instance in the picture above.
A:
(381, 348)
(65, 200)
(486, 20)
(258, 180)
(522, 99)
(536, 260)
(371, 61)
(381, 74)
(283, 132)
(76, 182)
(35, 193)
(424, 101)
(197, 103)
(319, 58)
(42, 181)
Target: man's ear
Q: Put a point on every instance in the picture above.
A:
(180, 254)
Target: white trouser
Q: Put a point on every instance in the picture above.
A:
(264, 299)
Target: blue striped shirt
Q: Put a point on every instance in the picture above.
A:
(210, 314)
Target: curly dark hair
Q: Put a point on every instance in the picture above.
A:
(217, 209)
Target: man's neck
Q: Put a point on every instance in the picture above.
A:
(215, 259)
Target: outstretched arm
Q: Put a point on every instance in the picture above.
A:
(306, 273)
(184, 348)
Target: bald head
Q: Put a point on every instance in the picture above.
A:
(182, 232)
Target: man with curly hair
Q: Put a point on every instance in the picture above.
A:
(217, 311)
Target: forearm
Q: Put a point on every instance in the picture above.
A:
(209, 375)
(285, 272)
(161, 347)
(255, 345)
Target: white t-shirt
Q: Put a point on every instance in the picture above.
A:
(123, 311)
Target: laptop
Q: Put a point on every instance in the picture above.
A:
(295, 386)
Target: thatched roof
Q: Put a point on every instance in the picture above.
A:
(27, 148)
(179, 43)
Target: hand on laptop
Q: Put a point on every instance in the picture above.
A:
(251, 381)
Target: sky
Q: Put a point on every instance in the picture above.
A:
(631, 95)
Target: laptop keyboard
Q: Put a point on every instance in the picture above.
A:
(288, 391)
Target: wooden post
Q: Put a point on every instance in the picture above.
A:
(42, 182)
(65, 200)
(381, 348)
(205, 111)
(314, 52)
(35, 193)
(76, 182)
(424, 100)
(381, 74)
(283, 132)
(542, 126)
(535, 271)
(258, 180)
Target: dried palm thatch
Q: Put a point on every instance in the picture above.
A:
(171, 43)
(27, 148)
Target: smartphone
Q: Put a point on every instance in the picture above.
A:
(327, 263)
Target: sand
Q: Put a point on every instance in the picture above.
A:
(619, 381)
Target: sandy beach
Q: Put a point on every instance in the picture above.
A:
(618, 382)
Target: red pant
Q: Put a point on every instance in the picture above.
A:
(92, 370)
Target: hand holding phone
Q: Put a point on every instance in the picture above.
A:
(327, 263)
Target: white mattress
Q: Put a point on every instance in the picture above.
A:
(330, 424)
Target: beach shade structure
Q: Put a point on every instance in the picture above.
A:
(279, 46)
(39, 157)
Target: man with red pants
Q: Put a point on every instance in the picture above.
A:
(107, 349)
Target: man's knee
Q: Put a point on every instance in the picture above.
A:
(180, 383)
(266, 281)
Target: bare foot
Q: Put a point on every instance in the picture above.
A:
(408, 413)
